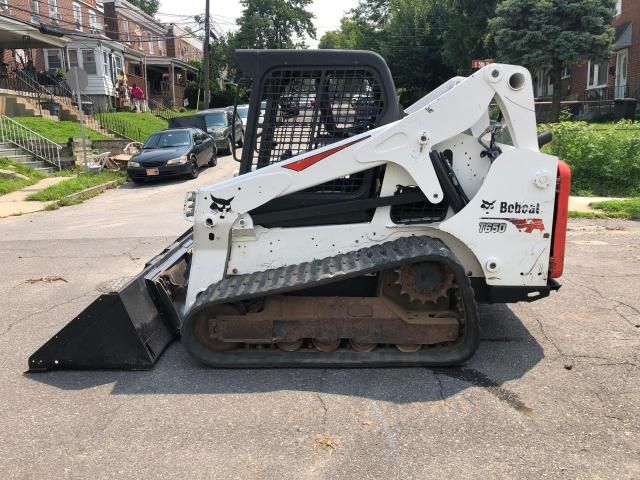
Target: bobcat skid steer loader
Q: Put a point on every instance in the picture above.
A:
(357, 234)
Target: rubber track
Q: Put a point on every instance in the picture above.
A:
(372, 259)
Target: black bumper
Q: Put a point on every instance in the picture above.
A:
(493, 294)
(167, 171)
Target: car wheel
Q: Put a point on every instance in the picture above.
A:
(194, 169)
(241, 140)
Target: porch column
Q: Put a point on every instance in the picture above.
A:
(173, 85)
(146, 82)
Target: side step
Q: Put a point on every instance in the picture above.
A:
(127, 329)
(306, 275)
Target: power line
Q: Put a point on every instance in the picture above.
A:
(144, 23)
(125, 39)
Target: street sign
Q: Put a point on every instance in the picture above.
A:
(82, 78)
(477, 64)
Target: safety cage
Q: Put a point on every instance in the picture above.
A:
(304, 100)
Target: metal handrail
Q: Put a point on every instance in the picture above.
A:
(34, 86)
(26, 139)
(18, 83)
(160, 110)
(63, 89)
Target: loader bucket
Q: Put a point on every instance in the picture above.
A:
(127, 329)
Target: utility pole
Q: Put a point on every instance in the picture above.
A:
(205, 62)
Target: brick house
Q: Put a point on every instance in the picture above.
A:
(594, 87)
(103, 37)
(148, 63)
(81, 42)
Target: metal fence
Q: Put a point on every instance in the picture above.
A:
(160, 110)
(113, 123)
(24, 138)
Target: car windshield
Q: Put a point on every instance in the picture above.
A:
(243, 112)
(216, 119)
(168, 140)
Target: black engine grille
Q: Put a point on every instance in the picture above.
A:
(418, 212)
(158, 163)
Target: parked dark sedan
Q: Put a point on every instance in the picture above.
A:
(173, 153)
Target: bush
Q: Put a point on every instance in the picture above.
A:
(604, 158)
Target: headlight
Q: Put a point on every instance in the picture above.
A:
(133, 164)
(178, 161)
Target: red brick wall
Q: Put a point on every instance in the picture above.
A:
(116, 30)
(579, 73)
(631, 13)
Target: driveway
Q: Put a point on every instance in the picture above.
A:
(554, 390)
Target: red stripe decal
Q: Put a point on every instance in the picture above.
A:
(300, 165)
(528, 225)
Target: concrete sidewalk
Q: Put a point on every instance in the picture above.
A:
(15, 203)
(581, 204)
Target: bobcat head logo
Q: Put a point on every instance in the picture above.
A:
(487, 205)
(221, 205)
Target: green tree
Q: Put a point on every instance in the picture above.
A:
(412, 44)
(274, 24)
(553, 34)
(465, 30)
(361, 28)
(149, 7)
(407, 33)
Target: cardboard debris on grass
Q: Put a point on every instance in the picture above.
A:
(325, 441)
(47, 279)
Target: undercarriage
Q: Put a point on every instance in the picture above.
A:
(416, 308)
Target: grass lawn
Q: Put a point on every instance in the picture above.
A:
(58, 132)
(146, 123)
(73, 185)
(628, 208)
(10, 184)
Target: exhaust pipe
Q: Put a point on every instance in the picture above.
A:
(127, 329)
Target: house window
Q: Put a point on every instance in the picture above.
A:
(140, 42)
(53, 60)
(566, 73)
(53, 10)
(618, 7)
(105, 64)
(89, 61)
(125, 27)
(118, 64)
(100, 5)
(150, 43)
(73, 57)
(159, 47)
(77, 16)
(93, 22)
(598, 73)
(35, 11)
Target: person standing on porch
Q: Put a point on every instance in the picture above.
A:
(138, 96)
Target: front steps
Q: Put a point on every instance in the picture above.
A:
(18, 155)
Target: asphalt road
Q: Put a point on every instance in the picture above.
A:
(554, 390)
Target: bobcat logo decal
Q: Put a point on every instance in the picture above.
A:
(487, 205)
(221, 205)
